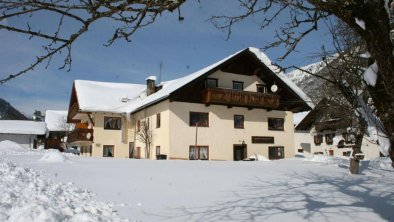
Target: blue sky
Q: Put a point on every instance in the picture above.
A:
(182, 48)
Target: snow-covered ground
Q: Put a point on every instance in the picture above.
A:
(47, 185)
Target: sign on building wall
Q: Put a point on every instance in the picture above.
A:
(263, 139)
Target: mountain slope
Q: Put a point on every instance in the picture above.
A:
(7, 112)
(309, 84)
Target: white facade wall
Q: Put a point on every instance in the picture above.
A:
(225, 80)
(117, 138)
(221, 135)
(25, 140)
(305, 139)
(160, 135)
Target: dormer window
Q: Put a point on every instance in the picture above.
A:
(238, 85)
(261, 88)
(211, 83)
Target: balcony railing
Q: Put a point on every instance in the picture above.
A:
(80, 135)
(232, 97)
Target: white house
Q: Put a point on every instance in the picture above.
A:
(319, 133)
(239, 106)
(23, 132)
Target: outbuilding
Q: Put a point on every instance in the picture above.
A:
(26, 133)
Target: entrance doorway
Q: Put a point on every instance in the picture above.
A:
(240, 152)
(131, 150)
(276, 152)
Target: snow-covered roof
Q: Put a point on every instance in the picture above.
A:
(107, 97)
(56, 120)
(22, 127)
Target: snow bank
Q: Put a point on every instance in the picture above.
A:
(54, 156)
(256, 157)
(299, 155)
(330, 160)
(26, 196)
(10, 146)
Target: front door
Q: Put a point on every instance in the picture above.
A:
(276, 152)
(240, 152)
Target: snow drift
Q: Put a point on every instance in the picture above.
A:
(26, 196)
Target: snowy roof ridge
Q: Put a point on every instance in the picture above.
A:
(87, 91)
(22, 127)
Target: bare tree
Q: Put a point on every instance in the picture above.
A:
(73, 19)
(344, 73)
(145, 136)
(370, 20)
(65, 128)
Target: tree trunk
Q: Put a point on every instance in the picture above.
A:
(354, 166)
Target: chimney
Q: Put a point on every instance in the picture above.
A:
(150, 85)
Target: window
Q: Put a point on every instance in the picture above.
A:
(239, 121)
(276, 124)
(112, 123)
(346, 153)
(201, 119)
(157, 150)
(330, 138)
(275, 153)
(138, 125)
(108, 151)
(318, 139)
(238, 85)
(199, 153)
(261, 88)
(211, 83)
(158, 120)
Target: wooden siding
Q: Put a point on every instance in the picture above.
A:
(232, 97)
(80, 135)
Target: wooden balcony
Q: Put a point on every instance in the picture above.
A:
(80, 135)
(232, 97)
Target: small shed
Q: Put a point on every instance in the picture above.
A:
(23, 132)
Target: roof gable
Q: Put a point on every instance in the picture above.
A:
(106, 97)
(325, 115)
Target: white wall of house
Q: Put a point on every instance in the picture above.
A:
(25, 140)
(221, 135)
(305, 139)
(117, 138)
(160, 135)
(225, 80)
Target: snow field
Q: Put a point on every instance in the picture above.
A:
(27, 196)
(296, 189)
